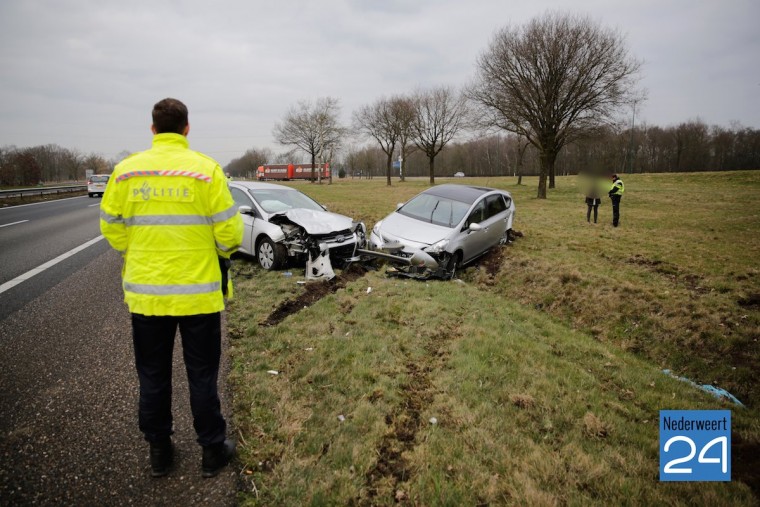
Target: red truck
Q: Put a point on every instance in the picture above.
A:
(291, 171)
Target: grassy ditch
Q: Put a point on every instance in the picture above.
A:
(535, 378)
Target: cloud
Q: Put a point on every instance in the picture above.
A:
(84, 74)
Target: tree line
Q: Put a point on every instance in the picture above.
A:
(49, 163)
(691, 146)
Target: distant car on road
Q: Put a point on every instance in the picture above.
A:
(96, 184)
(445, 227)
(460, 174)
(282, 223)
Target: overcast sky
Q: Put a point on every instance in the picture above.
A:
(85, 74)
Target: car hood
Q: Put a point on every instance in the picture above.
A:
(317, 222)
(414, 231)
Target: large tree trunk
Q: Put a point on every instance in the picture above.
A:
(547, 158)
(312, 169)
(432, 170)
(388, 168)
(402, 169)
(551, 176)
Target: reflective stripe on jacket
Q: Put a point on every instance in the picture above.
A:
(617, 187)
(170, 212)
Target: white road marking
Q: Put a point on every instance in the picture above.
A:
(39, 269)
(14, 223)
(93, 205)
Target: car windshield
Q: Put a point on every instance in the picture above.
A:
(436, 210)
(275, 200)
(99, 179)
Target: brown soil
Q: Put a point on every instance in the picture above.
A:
(314, 291)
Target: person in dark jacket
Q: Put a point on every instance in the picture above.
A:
(616, 193)
(593, 200)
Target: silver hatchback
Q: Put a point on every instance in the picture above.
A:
(281, 223)
(445, 227)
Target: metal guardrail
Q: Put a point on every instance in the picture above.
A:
(21, 192)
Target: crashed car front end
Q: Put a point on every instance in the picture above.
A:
(411, 259)
(321, 239)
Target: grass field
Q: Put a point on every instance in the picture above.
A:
(535, 378)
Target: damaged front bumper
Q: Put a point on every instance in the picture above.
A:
(407, 261)
(320, 251)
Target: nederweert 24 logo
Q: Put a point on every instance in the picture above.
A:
(695, 445)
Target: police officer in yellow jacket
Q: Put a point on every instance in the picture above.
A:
(168, 210)
(616, 193)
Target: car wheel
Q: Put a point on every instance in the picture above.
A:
(89, 195)
(270, 255)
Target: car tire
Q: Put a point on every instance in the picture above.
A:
(90, 195)
(269, 254)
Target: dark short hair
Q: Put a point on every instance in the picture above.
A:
(169, 116)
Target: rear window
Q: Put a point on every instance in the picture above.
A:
(99, 179)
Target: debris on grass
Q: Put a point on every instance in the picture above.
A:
(715, 391)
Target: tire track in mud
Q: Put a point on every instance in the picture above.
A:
(418, 393)
(314, 291)
(405, 422)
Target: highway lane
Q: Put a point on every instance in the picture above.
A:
(34, 234)
(43, 231)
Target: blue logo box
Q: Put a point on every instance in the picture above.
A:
(695, 445)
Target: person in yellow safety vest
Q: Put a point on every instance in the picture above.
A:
(616, 193)
(169, 212)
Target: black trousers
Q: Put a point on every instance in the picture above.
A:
(615, 209)
(596, 212)
(153, 339)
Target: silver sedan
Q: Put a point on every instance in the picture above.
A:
(282, 223)
(445, 227)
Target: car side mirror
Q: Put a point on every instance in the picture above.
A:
(245, 210)
(475, 227)
(398, 205)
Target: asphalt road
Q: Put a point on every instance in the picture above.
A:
(68, 389)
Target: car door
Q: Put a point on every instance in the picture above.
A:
(496, 219)
(242, 199)
(474, 242)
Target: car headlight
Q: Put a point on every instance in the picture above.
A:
(376, 228)
(438, 247)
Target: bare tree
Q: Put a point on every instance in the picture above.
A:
(385, 121)
(553, 80)
(406, 114)
(440, 115)
(312, 128)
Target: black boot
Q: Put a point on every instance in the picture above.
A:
(216, 457)
(161, 457)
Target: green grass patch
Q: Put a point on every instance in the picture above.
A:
(542, 377)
